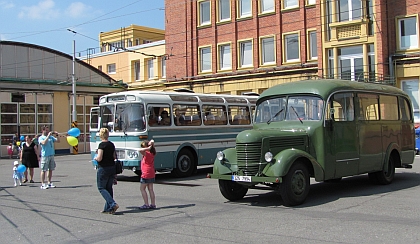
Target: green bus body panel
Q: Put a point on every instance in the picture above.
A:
(285, 159)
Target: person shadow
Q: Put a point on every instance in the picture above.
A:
(135, 209)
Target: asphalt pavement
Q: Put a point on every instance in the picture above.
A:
(192, 210)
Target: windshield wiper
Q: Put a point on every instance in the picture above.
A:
(277, 114)
(297, 115)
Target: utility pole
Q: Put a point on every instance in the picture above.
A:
(73, 82)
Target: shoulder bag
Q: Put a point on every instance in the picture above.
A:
(118, 165)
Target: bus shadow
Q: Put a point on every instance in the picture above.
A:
(167, 178)
(321, 192)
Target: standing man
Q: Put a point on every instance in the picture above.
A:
(46, 140)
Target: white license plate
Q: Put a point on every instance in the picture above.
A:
(241, 178)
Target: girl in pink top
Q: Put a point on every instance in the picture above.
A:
(148, 173)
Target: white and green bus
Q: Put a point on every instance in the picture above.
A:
(188, 128)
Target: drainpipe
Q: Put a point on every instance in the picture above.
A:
(391, 64)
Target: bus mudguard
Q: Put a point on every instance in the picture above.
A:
(391, 147)
(285, 159)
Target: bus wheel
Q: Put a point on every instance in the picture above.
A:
(295, 186)
(184, 164)
(384, 177)
(232, 190)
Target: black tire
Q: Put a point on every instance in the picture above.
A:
(185, 164)
(231, 190)
(384, 177)
(295, 186)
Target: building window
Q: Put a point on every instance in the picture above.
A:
(150, 73)
(330, 63)
(371, 62)
(245, 54)
(267, 50)
(225, 57)
(137, 42)
(290, 3)
(291, 47)
(111, 68)
(350, 63)
(137, 70)
(411, 87)
(244, 8)
(266, 6)
(163, 66)
(224, 10)
(100, 67)
(408, 33)
(129, 43)
(313, 49)
(204, 12)
(349, 9)
(310, 2)
(205, 59)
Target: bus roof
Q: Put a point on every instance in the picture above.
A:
(324, 87)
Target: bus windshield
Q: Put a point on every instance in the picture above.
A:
(289, 108)
(127, 117)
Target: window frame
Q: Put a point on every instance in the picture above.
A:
(399, 36)
(240, 54)
(137, 71)
(111, 68)
(220, 56)
(200, 13)
(261, 4)
(219, 7)
(201, 59)
(310, 2)
(284, 2)
(310, 49)
(150, 69)
(239, 12)
(285, 52)
(262, 55)
(163, 67)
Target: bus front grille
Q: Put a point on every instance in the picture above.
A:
(120, 154)
(248, 156)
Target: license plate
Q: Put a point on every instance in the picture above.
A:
(241, 178)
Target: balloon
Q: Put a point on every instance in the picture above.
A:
(72, 141)
(21, 168)
(22, 138)
(75, 132)
(18, 143)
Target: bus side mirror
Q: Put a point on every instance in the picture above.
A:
(329, 124)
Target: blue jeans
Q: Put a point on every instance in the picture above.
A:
(105, 179)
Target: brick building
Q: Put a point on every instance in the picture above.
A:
(226, 46)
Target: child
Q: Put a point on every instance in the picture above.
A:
(17, 176)
(10, 150)
(148, 173)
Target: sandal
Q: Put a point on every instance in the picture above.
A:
(151, 206)
(145, 206)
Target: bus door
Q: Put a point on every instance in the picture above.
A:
(93, 129)
(345, 147)
(370, 133)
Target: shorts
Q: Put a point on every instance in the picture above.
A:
(147, 181)
(47, 163)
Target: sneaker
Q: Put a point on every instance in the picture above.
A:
(31, 181)
(26, 180)
(43, 187)
(15, 184)
(152, 206)
(145, 206)
(51, 185)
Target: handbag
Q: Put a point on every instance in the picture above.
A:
(118, 166)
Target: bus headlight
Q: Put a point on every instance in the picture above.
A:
(220, 156)
(268, 156)
(132, 154)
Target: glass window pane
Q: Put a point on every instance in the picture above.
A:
(389, 107)
(246, 54)
(224, 10)
(8, 118)
(408, 33)
(150, 69)
(44, 118)
(205, 54)
(27, 108)
(267, 6)
(313, 45)
(290, 3)
(205, 13)
(225, 57)
(292, 47)
(268, 53)
(44, 108)
(244, 8)
(27, 118)
(8, 108)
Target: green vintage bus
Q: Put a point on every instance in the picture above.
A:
(324, 129)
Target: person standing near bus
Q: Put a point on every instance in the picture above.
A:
(46, 141)
(29, 156)
(105, 174)
(148, 173)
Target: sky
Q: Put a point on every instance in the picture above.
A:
(46, 22)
